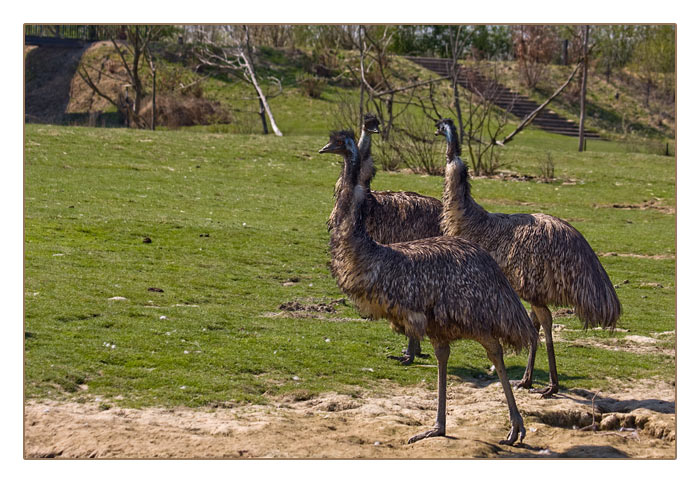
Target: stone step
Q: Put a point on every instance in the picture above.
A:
(515, 103)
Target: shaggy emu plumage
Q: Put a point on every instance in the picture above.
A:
(447, 288)
(546, 260)
(393, 217)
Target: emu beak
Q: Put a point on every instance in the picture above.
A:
(437, 133)
(326, 149)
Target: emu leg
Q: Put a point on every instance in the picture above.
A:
(494, 351)
(526, 381)
(442, 353)
(545, 317)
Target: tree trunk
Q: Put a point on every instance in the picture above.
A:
(153, 90)
(582, 119)
(362, 84)
(153, 102)
(262, 117)
(261, 96)
(648, 92)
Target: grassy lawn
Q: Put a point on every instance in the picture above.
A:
(237, 228)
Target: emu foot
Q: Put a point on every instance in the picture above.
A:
(406, 359)
(524, 384)
(517, 429)
(547, 392)
(436, 431)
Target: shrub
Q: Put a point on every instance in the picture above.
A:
(311, 85)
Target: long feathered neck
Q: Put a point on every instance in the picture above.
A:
(453, 147)
(349, 232)
(364, 146)
(460, 212)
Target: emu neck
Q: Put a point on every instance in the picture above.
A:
(364, 146)
(349, 234)
(453, 149)
(461, 215)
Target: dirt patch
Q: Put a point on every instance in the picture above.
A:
(301, 306)
(653, 204)
(368, 425)
(637, 255)
(513, 176)
(636, 344)
(310, 308)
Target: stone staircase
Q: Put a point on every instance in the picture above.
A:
(505, 98)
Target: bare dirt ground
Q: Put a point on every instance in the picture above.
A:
(633, 422)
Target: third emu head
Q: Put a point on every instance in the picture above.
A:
(370, 123)
(447, 128)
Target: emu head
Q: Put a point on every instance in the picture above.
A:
(447, 128)
(341, 142)
(370, 123)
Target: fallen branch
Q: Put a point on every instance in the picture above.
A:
(530, 117)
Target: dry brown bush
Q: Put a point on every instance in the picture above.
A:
(175, 111)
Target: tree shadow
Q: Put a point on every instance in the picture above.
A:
(49, 72)
(612, 405)
(579, 451)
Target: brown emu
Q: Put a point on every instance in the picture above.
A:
(546, 260)
(447, 288)
(393, 217)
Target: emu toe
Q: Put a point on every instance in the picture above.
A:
(522, 384)
(436, 431)
(517, 429)
(406, 359)
(547, 392)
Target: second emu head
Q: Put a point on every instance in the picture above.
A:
(370, 123)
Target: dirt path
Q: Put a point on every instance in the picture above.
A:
(372, 425)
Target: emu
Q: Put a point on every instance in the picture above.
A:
(446, 288)
(393, 217)
(546, 260)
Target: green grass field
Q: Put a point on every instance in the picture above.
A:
(237, 224)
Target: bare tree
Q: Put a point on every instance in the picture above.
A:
(534, 46)
(387, 93)
(132, 51)
(482, 121)
(531, 117)
(457, 45)
(584, 78)
(228, 48)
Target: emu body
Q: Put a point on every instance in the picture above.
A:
(445, 288)
(546, 260)
(393, 217)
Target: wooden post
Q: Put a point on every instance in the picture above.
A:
(582, 119)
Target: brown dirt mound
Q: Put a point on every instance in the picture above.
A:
(371, 425)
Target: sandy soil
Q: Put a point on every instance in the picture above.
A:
(372, 425)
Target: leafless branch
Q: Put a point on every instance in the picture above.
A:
(530, 117)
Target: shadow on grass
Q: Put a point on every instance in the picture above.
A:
(484, 378)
